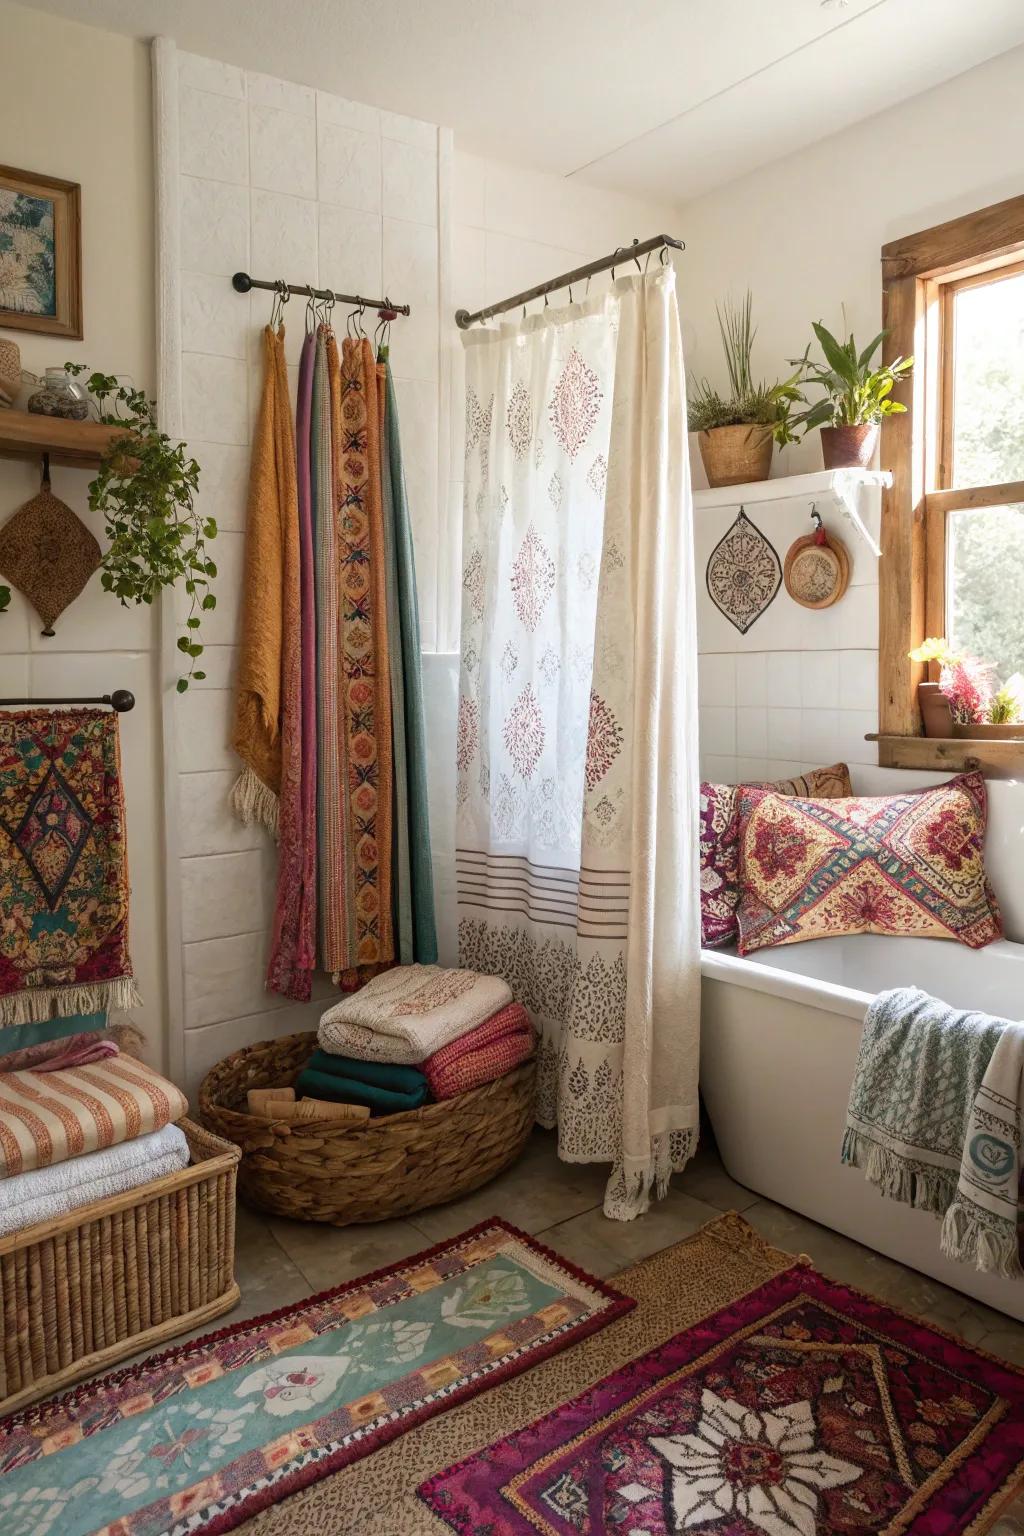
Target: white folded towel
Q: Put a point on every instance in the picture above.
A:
(45, 1193)
(406, 1014)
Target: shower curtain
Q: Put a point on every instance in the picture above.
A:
(577, 782)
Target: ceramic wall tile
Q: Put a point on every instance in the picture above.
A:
(348, 166)
(819, 679)
(468, 193)
(853, 726)
(284, 242)
(208, 822)
(215, 401)
(222, 625)
(717, 679)
(282, 151)
(226, 893)
(285, 95)
(220, 663)
(784, 733)
(858, 617)
(202, 722)
(717, 729)
(210, 75)
(214, 136)
(783, 679)
(350, 251)
(225, 975)
(223, 482)
(347, 114)
(207, 1044)
(858, 680)
(469, 270)
(214, 226)
(819, 735)
(752, 680)
(409, 182)
(214, 318)
(752, 731)
(717, 768)
(409, 130)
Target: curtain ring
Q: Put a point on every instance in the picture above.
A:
(636, 258)
(586, 291)
(663, 255)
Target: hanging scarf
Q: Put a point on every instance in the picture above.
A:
(412, 815)
(267, 622)
(363, 658)
(293, 945)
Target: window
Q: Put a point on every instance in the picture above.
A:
(953, 523)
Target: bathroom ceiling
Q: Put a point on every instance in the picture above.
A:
(662, 97)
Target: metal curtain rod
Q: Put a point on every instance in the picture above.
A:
(120, 701)
(619, 258)
(242, 282)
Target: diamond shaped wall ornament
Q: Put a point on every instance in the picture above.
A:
(744, 574)
(48, 554)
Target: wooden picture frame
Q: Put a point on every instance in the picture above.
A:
(40, 254)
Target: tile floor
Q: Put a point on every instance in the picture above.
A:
(279, 1262)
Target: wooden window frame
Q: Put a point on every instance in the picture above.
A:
(921, 273)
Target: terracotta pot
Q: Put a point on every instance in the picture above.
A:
(989, 732)
(849, 447)
(736, 455)
(936, 714)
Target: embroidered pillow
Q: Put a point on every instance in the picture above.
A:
(909, 865)
(719, 851)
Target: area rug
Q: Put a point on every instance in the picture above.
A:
(198, 1440)
(804, 1407)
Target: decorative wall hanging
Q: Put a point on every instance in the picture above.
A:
(40, 253)
(817, 570)
(744, 574)
(10, 372)
(47, 553)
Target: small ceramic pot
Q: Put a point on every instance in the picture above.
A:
(736, 455)
(849, 447)
(936, 714)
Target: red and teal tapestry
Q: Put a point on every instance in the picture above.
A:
(199, 1440)
(63, 866)
(804, 1409)
(910, 865)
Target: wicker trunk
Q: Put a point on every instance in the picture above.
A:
(119, 1276)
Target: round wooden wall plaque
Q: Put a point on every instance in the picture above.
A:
(817, 574)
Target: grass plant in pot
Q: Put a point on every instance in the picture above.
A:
(855, 400)
(737, 433)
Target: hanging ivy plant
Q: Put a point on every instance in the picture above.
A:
(145, 491)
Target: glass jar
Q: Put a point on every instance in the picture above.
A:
(59, 395)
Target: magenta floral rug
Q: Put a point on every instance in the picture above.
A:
(804, 1409)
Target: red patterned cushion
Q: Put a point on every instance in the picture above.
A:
(909, 864)
(719, 847)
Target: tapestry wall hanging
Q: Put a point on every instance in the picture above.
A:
(48, 553)
(743, 574)
(40, 253)
(63, 866)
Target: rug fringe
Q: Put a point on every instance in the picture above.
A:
(39, 1004)
(926, 1190)
(254, 801)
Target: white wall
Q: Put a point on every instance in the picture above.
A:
(75, 103)
(276, 179)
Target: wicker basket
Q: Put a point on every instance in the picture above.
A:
(119, 1276)
(363, 1170)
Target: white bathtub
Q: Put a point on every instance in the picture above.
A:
(779, 1038)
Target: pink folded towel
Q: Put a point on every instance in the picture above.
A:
(489, 1051)
(81, 1051)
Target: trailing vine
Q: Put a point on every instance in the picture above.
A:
(145, 492)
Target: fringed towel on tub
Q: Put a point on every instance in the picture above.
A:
(935, 1120)
(63, 866)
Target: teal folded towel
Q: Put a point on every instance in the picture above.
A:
(346, 1090)
(381, 1074)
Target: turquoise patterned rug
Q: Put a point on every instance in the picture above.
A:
(201, 1439)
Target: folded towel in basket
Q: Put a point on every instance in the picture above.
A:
(490, 1051)
(380, 1074)
(408, 1013)
(46, 1193)
(346, 1090)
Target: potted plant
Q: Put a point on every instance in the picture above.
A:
(737, 433)
(966, 699)
(856, 398)
(145, 489)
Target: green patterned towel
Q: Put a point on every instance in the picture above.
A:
(934, 1120)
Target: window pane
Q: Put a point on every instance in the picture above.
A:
(985, 586)
(988, 383)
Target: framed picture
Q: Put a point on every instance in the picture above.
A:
(40, 253)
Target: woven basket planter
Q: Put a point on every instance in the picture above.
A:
(366, 1170)
(119, 1276)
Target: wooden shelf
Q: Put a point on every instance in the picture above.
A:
(821, 482)
(1002, 759)
(82, 444)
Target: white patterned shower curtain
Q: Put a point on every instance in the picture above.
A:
(577, 771)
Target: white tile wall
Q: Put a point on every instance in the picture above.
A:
(282, 181)
(800, 688)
